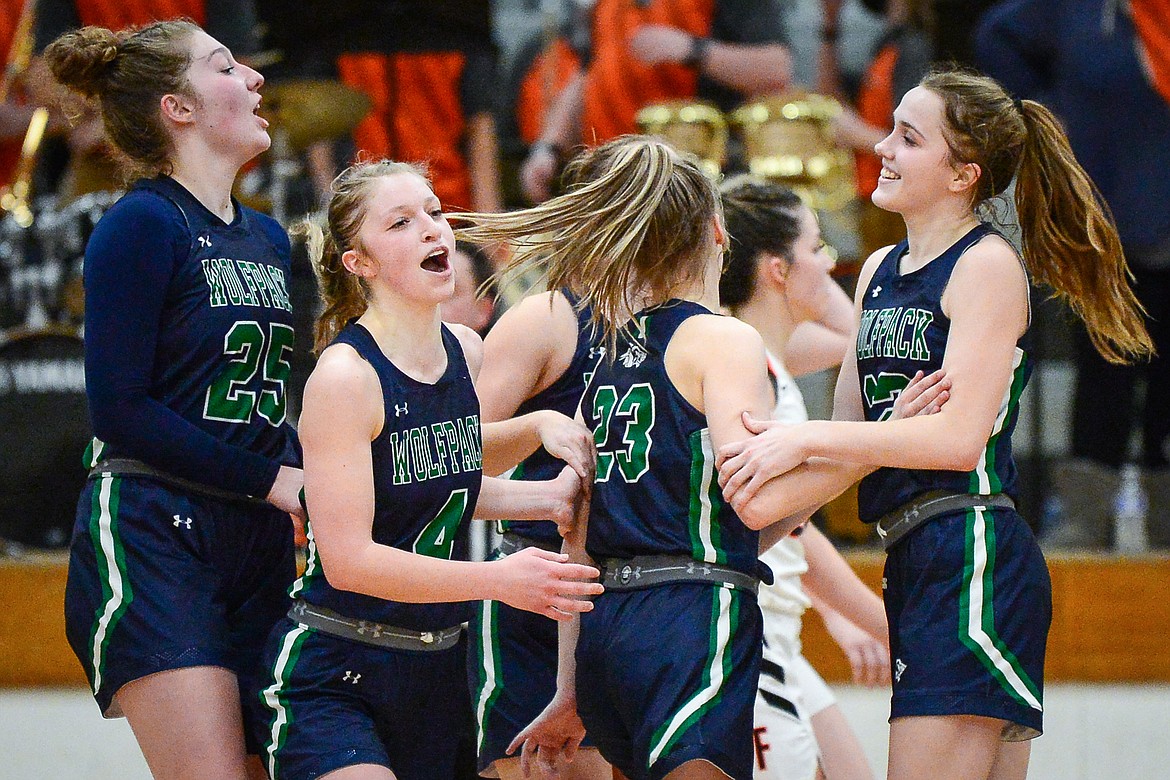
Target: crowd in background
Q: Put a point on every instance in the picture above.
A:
(495, 97)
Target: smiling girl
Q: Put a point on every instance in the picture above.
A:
(367, 673)
(182, 550)
(967, 591)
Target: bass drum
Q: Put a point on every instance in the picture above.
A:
(44, 430)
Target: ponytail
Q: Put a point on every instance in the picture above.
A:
(1070, 240)
(1071, 243)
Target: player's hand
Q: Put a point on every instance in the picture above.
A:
(546, 583)
(285, 492)
(869, 657)
(924, 395)
(537, 172)
(570, 441)
(655, 43)
(551, 741)
(746, 465)
(570, 494)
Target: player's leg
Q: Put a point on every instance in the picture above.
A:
(360, 772)
(951, 747)
(187, 722)
(586, 765)
(842, 756)
(1011, 762)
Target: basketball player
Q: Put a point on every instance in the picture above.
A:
(955, 295)
(367, 673)
(183, 550)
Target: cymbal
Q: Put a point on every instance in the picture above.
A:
(312, 110)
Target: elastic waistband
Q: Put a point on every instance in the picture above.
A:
(896, 524)
(511, 542)
(644, 571)
(368, 632)
(130, 467)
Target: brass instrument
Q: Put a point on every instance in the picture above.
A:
(690, 126)
(14, 198)
(788, 139)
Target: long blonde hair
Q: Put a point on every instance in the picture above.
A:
(344, 295)
(635, 221)
(1070, 242)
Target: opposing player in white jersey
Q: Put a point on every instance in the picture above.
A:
(776, 278)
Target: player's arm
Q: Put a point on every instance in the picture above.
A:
(339, 493)
(823, 343)
(986, 303)
(528, 349)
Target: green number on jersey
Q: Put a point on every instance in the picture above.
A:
(244, 347)
(438, 538)
(884, 388)
(633, 456)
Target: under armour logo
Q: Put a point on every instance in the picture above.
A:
(875, 292)
(399, 411)
(181, 521)
(205, 241)
(899, 667)
(633, 357)
(373, 629)
(596, 352)
(351, 677)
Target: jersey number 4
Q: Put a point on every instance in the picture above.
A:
(437, 539)
(632, 454)
(247, 352)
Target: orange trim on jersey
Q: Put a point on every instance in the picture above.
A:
(617, 83)
(119, 14)
(875, 104)
(417, 114)
(546, 77)
(1151, 19)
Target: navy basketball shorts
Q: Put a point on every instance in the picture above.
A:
(330, 703)
(667, 675)
(969, 604)
(161, 578)
(512, 674)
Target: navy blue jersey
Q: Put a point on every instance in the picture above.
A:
(428, 468)
(903, 330)
(564, 396)
(656, 491)
(189, 333)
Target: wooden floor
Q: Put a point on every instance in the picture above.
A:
(1111, 622)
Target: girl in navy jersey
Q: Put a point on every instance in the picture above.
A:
(666, 666)
(967, 591)
(367, 673)
(183, 549)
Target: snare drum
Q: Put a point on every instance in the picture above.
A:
(690, 126)
(44, 430)
(62, 235)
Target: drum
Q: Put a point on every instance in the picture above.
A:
(20, 282)
(788, 139)
(44, 430)
(689, 126)
(61, 235)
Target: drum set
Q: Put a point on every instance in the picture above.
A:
(784, 138)
(44, 423)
